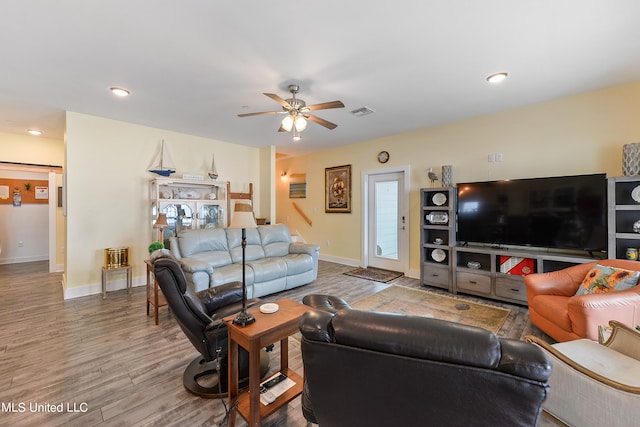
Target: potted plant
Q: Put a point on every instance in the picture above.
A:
(154, 246)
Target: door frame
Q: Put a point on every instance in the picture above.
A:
(403, 249)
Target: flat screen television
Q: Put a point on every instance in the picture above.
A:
(568, 212)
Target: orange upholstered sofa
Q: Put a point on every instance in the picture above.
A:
(564, 316)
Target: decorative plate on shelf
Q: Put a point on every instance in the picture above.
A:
(635, 194)
(438, 255)
(437, 217)
(439, 199)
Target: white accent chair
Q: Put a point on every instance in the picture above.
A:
(594, 384)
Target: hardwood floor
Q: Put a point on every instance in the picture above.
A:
(105, 363)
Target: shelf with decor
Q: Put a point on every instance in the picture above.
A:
(437, 213)
(498, 272)
(189, 203)
(623, 215)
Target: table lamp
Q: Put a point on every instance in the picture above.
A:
(243, 218)
(160, 225)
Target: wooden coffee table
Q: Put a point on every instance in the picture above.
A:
(267, 329)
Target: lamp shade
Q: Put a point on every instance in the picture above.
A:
(287, 123)
(300, 123)
(161, 221)
(243, 216)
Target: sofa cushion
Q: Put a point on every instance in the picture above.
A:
(298, 263)
(253, 249)
(215, 259)
(602, 279)
(602, 360)
(267, 269)
(231, 273)
(195, 241)
(275, 240)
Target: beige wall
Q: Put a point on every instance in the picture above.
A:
(576, 135)
(31, 149)
(108, 188)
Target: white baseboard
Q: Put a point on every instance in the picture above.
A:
(345, 261)
(96, 288)
(414, 274)
(19, 260)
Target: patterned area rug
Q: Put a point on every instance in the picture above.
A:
(377, 274)
(402, 300)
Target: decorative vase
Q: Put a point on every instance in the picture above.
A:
(631, 159)
(447, 176)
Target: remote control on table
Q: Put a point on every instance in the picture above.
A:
(266, 386)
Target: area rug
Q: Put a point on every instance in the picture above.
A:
(377, 274)
(403, 300)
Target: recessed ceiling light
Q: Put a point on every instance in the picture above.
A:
(34, 132)
(497, 77)
(118, 91)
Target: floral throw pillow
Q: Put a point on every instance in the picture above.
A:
(602, 279)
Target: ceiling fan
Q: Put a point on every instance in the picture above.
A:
(298, 112)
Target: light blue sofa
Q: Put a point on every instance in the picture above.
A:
(213, 256)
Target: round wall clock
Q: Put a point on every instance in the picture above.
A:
(383, 157)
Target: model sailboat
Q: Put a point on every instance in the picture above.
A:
(162, 165)
(213, 173)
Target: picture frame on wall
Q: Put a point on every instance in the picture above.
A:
(298, 186)
(337, 185)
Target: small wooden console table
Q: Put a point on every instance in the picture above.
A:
(154, 295)
(267, 329)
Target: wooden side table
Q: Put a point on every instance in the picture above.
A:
(154, 296)
(267, 329)
(105, 271)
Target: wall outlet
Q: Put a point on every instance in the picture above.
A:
(498, 157)
(491, 158)
(328, 243)
(20, 244)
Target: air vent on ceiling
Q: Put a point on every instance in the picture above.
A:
(363, 111)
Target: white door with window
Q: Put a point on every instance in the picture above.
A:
(386, 221)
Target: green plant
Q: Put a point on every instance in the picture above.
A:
(154, 246)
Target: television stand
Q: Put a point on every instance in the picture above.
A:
(498, 272)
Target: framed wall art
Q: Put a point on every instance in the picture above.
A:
(337, 188)
(298, 186)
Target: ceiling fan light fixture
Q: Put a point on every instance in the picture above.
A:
(287, 123)
(300, 123)
(296, 135)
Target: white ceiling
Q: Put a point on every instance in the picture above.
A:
(193, 65)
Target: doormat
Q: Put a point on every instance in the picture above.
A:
(415, 302)
(377, 274)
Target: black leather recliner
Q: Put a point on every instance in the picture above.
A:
(369, 368)
(200, 318)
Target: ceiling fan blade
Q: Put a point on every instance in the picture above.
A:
(279, 100)
(321, 122)
(323, 106)
(259, 114)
